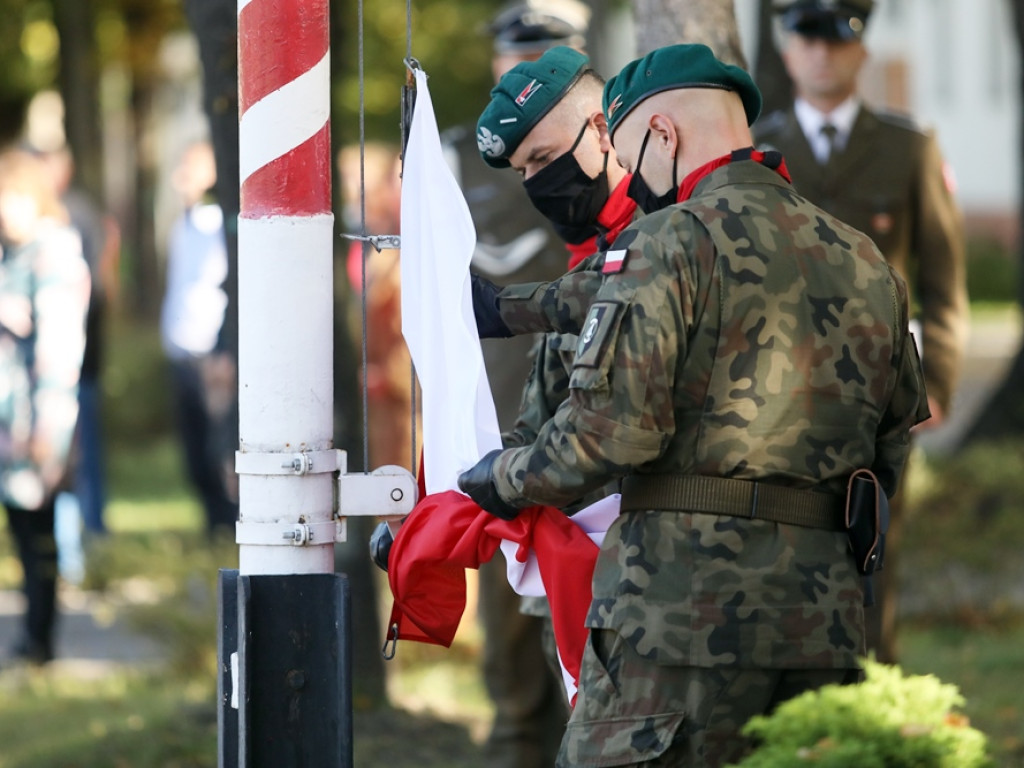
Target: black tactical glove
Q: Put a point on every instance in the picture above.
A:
(489, 324)
(380, 545)
(478, 482)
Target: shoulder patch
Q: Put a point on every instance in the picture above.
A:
(614, 261)
(597, 330)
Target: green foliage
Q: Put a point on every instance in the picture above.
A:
(137, 406)
(888, 721)
(447, 40)
(991, 271)
(28, 50)
(964, 534)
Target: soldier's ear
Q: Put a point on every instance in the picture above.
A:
(604, 137)
(664, 134)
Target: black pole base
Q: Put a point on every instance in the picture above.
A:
(293, 686)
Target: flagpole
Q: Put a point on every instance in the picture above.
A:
(284, 650)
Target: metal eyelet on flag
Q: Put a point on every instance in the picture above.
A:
(391, 640)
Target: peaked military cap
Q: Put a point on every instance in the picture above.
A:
(522, 97)
(535, 25)
(686, 65)
(828, 19)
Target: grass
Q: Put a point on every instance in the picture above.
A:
(119, 719)
(987, 665)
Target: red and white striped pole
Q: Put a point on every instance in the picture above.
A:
(285, 286)
(285, 684)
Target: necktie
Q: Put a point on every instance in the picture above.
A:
(829, 132)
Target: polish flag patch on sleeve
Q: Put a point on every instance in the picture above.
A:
(614, 262)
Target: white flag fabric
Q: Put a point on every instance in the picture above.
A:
(460, 424)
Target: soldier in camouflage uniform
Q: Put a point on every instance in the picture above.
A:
(561, 149)
(744, 354)
(514, 243)
(885, 176)
(44, 297)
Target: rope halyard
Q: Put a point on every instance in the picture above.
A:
(365, 251)
(408, 102)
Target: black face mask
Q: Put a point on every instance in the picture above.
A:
(641, 194)
(567, 197)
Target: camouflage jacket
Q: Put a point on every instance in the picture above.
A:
(44, 297)
(891, 183)
(748, 335)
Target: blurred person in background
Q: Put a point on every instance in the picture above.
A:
(884, 175)
(44, 299)
(80, 510)
(190, 322)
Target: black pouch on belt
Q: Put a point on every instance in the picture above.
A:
(867, 521)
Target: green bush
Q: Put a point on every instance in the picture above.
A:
(991, 271)
(887, 721)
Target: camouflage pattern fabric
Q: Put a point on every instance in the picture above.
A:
(44, 297)
(737, 317)
(891, 183)
(559, 306)
(699, 710)
(748, 335)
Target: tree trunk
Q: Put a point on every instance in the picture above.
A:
(79, 86)
(1003, 415)
(215, 24)
(140, 230)
(667, 22)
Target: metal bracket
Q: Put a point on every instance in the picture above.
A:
(388, 491)
(379, 242)
(297, 463)
(282, 534)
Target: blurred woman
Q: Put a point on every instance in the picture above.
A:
(44, 297)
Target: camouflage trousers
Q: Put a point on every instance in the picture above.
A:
(632, 712)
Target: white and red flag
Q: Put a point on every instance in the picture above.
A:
(546, 552)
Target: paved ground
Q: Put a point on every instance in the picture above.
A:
(90, 636)
(990, 351)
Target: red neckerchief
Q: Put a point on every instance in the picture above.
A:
(615, 216)
(772, 160)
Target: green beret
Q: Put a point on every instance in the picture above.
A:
(675, 66)
(522, 97)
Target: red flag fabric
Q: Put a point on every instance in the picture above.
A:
(447, 533)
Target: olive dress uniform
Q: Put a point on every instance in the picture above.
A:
(888, 180)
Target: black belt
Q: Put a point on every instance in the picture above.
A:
(736, 498)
